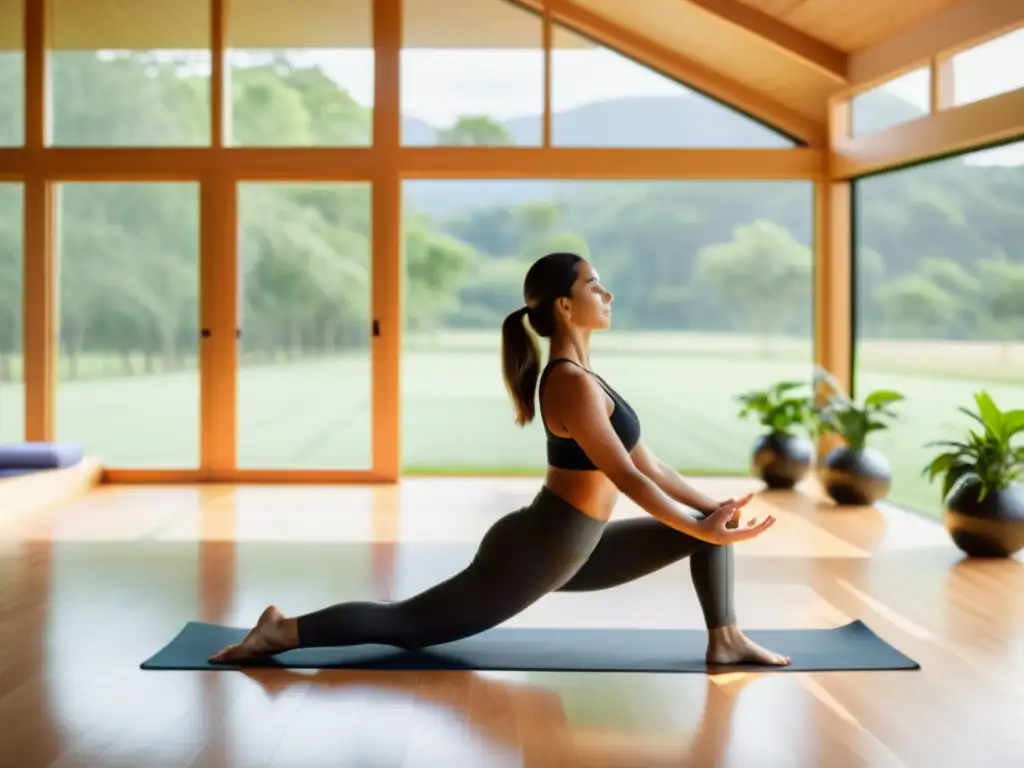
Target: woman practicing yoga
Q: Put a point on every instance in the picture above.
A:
(562, 541)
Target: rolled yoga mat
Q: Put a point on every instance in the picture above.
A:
(39, 456)
(850, 647)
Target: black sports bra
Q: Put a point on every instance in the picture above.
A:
(566, 453)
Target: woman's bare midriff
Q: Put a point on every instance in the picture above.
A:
(590, 491)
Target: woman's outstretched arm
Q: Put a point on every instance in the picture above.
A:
(670, 481)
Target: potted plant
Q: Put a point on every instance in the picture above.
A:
(855, 473)
(981, 482)
(781, 457)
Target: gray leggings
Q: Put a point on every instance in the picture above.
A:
(544, 547)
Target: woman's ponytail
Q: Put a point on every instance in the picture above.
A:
(520, 364)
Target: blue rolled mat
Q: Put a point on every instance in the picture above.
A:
(39, 455)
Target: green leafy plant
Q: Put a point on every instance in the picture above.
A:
(778, 408)
(987, 456)
(852, 422)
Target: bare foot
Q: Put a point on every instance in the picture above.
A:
(271, 635)
(730, 646)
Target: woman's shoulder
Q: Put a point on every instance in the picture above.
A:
(567, 383)
(563, 369)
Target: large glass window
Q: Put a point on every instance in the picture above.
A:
(600, 98)
(987, 70)
(713, 285)
(128, 257)
(304, 385)
(130, 74)
(12, 390)
(301, 73)
(479, 81)
(471, 77)
(939, 281)
(897, 101)
(12, 73)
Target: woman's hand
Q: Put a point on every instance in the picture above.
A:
(722, 525)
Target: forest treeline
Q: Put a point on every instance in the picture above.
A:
(939, 248)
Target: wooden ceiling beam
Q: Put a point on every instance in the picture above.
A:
(952, 131)
(684, 69)
(358, 164)
(959, 26)
(798, 45)
(602, 164)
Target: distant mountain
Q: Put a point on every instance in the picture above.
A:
(640, 122)
(876, 111)
(650, 121)
(417, 133)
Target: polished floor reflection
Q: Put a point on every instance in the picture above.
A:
(90, 589)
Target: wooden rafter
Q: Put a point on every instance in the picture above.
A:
(680, 67)
(951, 131)
(798, 45)
(358, 164)
(588, 163)
(959, 26)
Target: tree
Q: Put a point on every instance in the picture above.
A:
(868, 277)
(10, 280)
(492, 289)
(761, 275)
(916, 306)
(544, 230)
(436, 265)
(1004, 299)
(475, 131)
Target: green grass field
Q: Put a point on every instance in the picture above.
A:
(315, 413)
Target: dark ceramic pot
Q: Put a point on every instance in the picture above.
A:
(855, 477)
(781, 461)
(992, 527)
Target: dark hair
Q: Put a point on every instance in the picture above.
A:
(549, 278)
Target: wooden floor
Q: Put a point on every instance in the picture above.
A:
(90, 589)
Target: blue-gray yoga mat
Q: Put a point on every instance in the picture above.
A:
(39, 455)
(850, 647)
